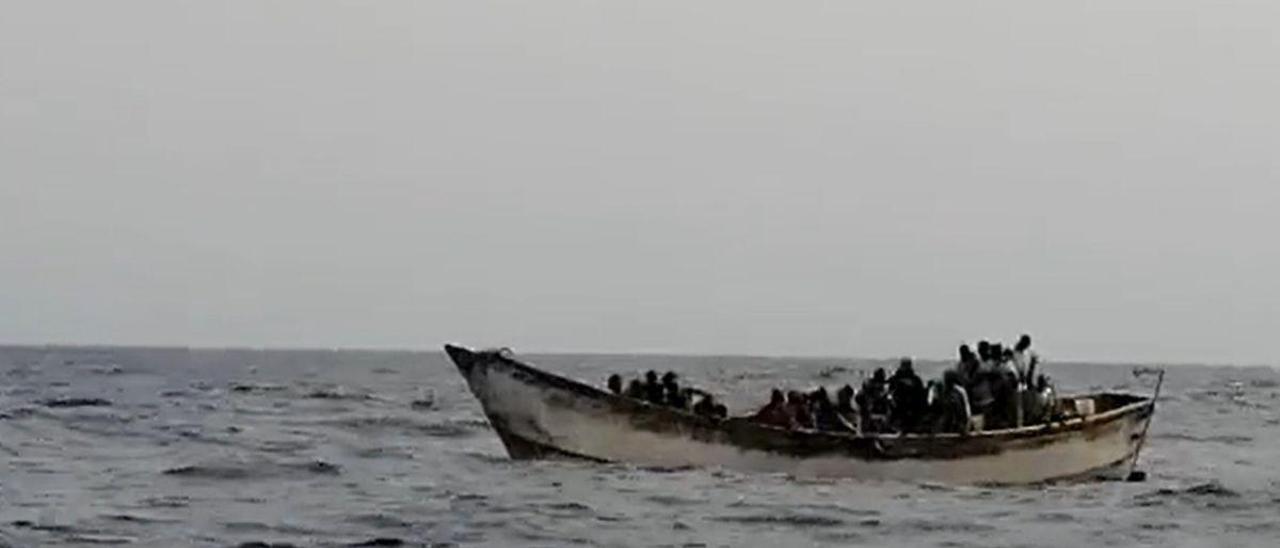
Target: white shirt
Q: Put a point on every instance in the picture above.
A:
(1022, 360)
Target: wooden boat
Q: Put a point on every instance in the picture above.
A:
(540, 415)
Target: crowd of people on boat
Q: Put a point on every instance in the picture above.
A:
(993, 388)
(668, 392)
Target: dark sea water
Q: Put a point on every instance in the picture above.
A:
(169, 447)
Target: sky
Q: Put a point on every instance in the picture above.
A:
(783, 178)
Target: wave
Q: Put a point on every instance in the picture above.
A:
(1226, 439)
(69, 402)
(253, 470)
(797, 520)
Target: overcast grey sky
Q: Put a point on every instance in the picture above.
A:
(835, 178)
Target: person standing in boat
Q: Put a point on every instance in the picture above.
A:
(873, 403)
(672, 395)
(1006, 393)
(1024, 359)
(908, 397)
(844, 405)
(978, 388)
(967, 367)
(653, 392)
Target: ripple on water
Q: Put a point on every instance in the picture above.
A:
(791, 519)
(72, 402)
(236, 470)
(457, 428)
(379, 520)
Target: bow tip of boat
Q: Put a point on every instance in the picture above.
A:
(462, 357)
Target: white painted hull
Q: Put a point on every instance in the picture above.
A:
(541, 415)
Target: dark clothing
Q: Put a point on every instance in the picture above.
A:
(776, 415)
(953, 410)
(873, 405)
(909, 400)
(874, 397)
(635, 390)
(677, 399)
(847, 412)
(827, 419)
(705, 407)
(654, 393)
(801, 413)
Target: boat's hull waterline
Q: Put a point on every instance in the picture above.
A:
(540, 415)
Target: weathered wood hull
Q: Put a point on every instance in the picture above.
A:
(540, 415)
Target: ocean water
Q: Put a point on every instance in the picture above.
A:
(175, 447)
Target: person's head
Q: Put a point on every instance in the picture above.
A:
(795, 397)
(634, 386)
(845, 395)
(775, 397)
(950, 378)
(721, 411)
(1008, 354)
(878, 375)
(1042, 382)
(984, 349)
(669, 378)
(966, 353)
(905, 365)
(651, 377)
(997, 351)
(1024, 342)
(615, 383)
(821, 396)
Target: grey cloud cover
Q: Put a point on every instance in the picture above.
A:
(749, 177)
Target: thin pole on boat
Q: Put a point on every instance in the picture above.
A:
(1134, 474)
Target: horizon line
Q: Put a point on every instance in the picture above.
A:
(650, 352)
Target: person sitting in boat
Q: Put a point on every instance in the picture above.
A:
(615, 384)
(1043, 402)
(825, 416)
(799, 408)
(705, 407)
(635, 389)
(908, 397)
(873, 403)
(775, 413)
(844, 404)
(653, 392)
(954, 413)
(710, 408)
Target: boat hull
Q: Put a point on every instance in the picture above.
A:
(540, 415)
